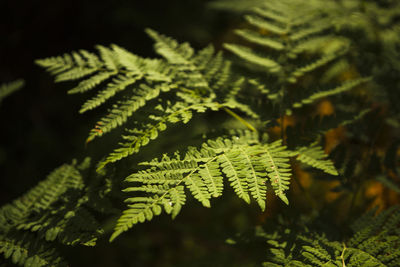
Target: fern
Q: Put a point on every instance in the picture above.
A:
(8, 88)
(196, 80)
(25, 250)
(284, 34)
(374, 241)
(290, 56)
(57, 209)
(139, 137)
(245, 162)
(315, 157)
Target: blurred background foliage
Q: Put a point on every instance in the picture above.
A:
(39, 132)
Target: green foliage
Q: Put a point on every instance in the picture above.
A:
(26, 250)
(197, 82)
(374, 241)
(245, 162)
(193, 81)
(286, 59)
(315, 157)
(57, 210)
(289, 40)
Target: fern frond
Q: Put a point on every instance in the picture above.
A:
(375, 242)
(26, 250)
(278, 168)
(139, 137)
(272, 12)
(254, 58)
(346, 86)
(43, 195)
(57, 210)
(317, 27)
(120, 113)
(266, 25)
(246, 163)
(260, 39)
(68, 66)
(119, 83)
(314, 156)
(194, 80)
(301, 71)
(254, 173)
(54, 209)
(170, 49)
(292, 32)
(229, 166)
(8, 88)
(91, 83)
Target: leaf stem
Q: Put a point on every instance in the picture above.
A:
(342, 255)
(243, 121)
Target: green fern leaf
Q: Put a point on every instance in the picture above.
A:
(25, 250)
(346, 86)
(196, 79)
(244, 161)
(213, 178)
(249, 55)
(170, 49)
(255, 175)
(272, 13)
(120, 114)
(315, 157)
(141, 137)
(264, 24)
(375, 242)
(119, 83)
(301, 71)
(278, 168)
(260, 39)
(315, 28)
(230, 167)
(8, 88)
(108, 58)
(54, 210)
(91, 83)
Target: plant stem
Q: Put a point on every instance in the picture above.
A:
(342, 255)
(243, 121)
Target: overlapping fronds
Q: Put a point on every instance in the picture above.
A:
(40, 209)
(287, 45)
(8, 88)
(56, 210)
(306, 132)
(289, 28)
(247, 164)
(26, 250)
(291, 40)
(315, 157)
(193, 81)
(374, 241)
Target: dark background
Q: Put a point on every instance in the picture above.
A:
(40, 124)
